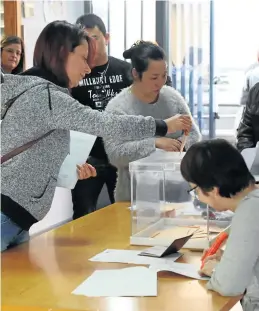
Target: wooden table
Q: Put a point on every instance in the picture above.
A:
(43, 273)
(27, 308)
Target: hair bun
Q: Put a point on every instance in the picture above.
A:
(128, 53)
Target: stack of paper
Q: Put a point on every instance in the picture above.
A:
(134, 282)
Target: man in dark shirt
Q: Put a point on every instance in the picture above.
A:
(109, 76)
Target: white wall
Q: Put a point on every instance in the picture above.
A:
(133, 25)
(45, 12)
(236, 32)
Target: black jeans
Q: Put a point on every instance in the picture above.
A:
(86, 192)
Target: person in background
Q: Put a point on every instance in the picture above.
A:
(107, 78)
(251, 78)
(40, 107)
(148, 96)
(248, 130)
(225, 183)
(12, 55)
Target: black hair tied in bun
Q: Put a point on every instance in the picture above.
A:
(128, 54)
(141, 53)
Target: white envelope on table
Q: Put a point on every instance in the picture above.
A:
(81, 145)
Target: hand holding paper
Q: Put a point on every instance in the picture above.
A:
(179, 122)
(85, 171)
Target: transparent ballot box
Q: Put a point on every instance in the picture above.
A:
(163, 210)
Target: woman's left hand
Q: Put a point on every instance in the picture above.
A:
(85, 171)
(209, 267)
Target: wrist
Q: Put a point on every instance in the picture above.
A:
(161, 128)
(157, 144)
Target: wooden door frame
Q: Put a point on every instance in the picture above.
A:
(12, 18)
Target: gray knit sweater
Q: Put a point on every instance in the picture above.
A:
(30, 178)
(121, 152)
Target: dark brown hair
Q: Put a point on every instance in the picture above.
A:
(54, 44)
(8, 40)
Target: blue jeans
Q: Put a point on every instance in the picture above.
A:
(11, 234)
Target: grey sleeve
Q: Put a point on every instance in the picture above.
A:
(234, 272)
(68, 114)
(121, 152)
(195, 134)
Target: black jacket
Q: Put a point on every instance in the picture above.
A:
(248, 131)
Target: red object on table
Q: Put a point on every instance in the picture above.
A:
(215, 246)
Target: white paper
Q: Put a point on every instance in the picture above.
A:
(251, 157)
(185, 269)
(132, 257)
(80, 146)
(130, 282)
(255, 166)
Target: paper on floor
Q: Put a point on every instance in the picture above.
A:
(132, 257)
(133, 282)
(185, 269)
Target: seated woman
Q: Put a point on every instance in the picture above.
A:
(148, 96)
(12, 55)
(248, 130)
(37, 106)
(225, 183)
